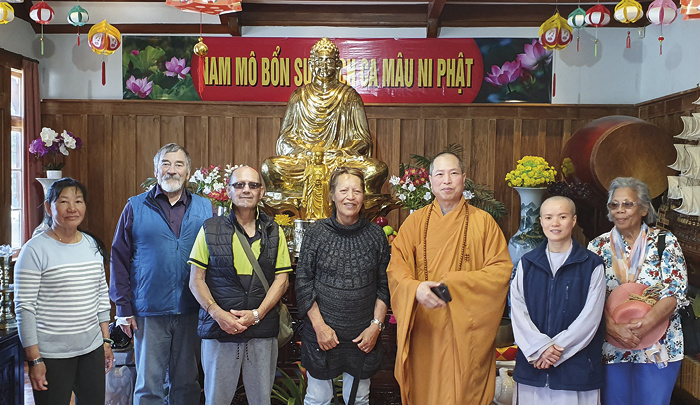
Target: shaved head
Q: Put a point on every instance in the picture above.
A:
(560, 199)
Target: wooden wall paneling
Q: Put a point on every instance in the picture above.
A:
(245, 151)
(146, 143)
(268, 130)
(121, 136)
(98, 178)
(197, 140)
(507, 137)
(435, 137)
(221, 141)
(172, 129)
(553, 143)
(478, 158)
(411, 143)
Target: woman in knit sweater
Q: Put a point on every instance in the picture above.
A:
(62, 304)
(341, 287)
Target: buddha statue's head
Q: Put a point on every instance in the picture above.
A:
(324, 60)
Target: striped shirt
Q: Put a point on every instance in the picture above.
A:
(61, 296)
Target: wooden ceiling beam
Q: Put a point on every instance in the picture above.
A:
(232, 21)
(136, 29)
(435, 8)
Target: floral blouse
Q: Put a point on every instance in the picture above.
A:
(672, 274)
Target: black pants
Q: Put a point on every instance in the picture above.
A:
(84, 375)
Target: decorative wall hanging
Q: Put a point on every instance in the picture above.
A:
(555, 33)
(628, 12)
(597, 16)
(662, 12)
(577, 20)
(104, 39)
(78, 17)
(7, 13)
(41, 13)
(690, 9)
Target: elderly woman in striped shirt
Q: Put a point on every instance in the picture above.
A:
(62, 304)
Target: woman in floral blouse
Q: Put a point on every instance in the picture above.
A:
(631, 255)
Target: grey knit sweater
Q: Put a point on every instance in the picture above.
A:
(342, 269)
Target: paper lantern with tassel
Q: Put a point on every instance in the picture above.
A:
(628, 12)
(42, 14)
(78, 17)
(104, 39)
(7, 13)
(555, 33)
(662, 12)
(200, 49)
(690, 9)
(577, 20)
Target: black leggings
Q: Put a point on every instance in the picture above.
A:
(84, 375)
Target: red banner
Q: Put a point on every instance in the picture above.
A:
(381, 70)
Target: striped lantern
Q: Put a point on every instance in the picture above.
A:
(628, 11)
(7, 13)
(577, 20)
(662, 12)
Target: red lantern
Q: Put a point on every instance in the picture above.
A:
(598, 16)
(43, 14)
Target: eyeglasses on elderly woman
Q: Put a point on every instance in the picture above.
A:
(625, 204)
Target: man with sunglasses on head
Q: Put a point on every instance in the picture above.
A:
(238, 320)
(149, 281)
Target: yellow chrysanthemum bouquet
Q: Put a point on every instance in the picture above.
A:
(532, 171)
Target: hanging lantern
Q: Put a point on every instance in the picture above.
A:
(214, 7)
(598, 16)
(78, 16)
(690, 9)
(7, 13)
(42, 14)
(662, 12)
(555, 33)
(628, 11)
(577, 20)
(104, 39)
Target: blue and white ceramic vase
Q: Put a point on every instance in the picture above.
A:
(529, 234)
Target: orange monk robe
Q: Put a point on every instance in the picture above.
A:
(446, 355)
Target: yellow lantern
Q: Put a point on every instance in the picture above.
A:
(104, 39)
(7, 13)
(628, 11)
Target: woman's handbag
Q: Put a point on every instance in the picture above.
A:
(286, 331)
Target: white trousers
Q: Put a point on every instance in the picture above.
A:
(320, 392)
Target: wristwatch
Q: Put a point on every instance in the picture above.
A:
(378, 323)
(257, 317)
(32, 363)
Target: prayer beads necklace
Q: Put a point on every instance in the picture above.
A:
(464, 240)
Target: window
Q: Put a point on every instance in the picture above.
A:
(16, 160)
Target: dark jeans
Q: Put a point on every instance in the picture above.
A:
(84, 375)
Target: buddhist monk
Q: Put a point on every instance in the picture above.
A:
(445, 351)
(325, 114)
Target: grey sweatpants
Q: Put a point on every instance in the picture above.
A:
(222, 363)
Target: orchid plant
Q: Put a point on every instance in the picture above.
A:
(210, 182)
(52, 144)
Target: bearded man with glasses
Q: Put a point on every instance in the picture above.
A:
(238, 321)
(149, 279)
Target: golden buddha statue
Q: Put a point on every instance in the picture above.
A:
(315, 203)
(327, 114)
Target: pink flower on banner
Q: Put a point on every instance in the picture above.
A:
(508, 73)
(535, 56)
(141, 87)
(176, 67)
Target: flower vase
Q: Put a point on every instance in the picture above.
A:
(222, 211)
(529, 234)
(45, 184)
(54, 174)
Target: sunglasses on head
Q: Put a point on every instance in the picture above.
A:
(253, 185)
(625, 204)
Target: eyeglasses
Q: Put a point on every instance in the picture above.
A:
(253, 185)
(625, 204)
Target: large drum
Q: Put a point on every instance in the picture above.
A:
(619, 146)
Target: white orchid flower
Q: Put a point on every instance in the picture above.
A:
(48, 136)
(411, 187)
(394, 180)
(68, 140)
(428, 195)
(468, 195)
